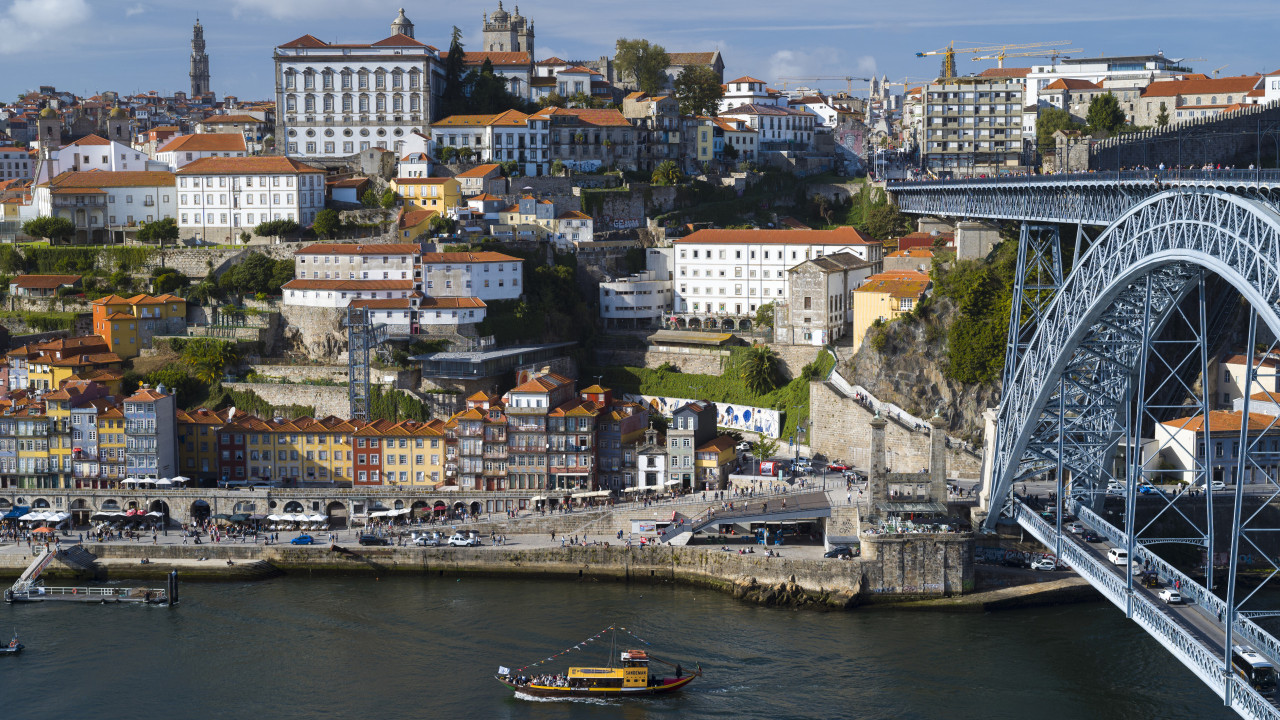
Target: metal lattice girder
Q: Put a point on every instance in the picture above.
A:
(1085, 198)
(1036, 281)
(362, 337)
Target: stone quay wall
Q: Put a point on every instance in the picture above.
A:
(326, 399)
(840, 428)
(918, 564)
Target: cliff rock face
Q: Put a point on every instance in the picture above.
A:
(910, 371)
(313, 331)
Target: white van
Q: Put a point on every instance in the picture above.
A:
(1118, 556)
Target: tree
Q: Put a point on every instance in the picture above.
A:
(764, 316)
(388, 199)
(52, 229)
(667, 173)
(245, 237)
(327, 222)
(276, 228)
(1162, 119)
(369, 198)
(698, 90)
(557, 167)
(759, 369)
(1052, 120)
(209, 358)
(453, 100)
(884, 222)
(1105, 114)
(159, 231)
(489, 92)
(510, 168)
(644, 62)
(440, 225)
(730, 153)
(11, 261)
(764, 448)
(553, 99)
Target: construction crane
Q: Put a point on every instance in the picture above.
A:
(847, 79)
(1215, 71)
(1053, 55)
(948, 53)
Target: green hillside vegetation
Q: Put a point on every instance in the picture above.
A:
(728, 388)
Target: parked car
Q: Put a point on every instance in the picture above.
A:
(463, 540)
(838, 467)
(744, 446)
(1090, 536)
(1044, 564)
(1076, 528)
(1170, 596)
(1148, 490)
(432, 539)
(303, 540)
(373, 540)
(1218, 485)
(841, 552)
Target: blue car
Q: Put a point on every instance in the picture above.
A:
(303, 540)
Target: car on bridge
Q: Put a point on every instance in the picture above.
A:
(1090, 536)
(1076, 528)
(303, 540)
(1170, 596)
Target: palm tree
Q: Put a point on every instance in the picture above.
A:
(760, 369)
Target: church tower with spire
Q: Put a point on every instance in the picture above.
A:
(402, 25)
(507, 32)
(199, 62)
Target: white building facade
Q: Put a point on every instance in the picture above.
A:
(641, 300)
(484, 275)
(722, 277)
(334, 100)
(15, 163)
(219, 198)
(510, 135)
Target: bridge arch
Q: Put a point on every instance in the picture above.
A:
(1169, 238)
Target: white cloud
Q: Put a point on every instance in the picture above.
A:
(27, 22)
(135, 10)
(309, 9)
(819, 62)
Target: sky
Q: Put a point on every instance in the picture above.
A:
(87, 46)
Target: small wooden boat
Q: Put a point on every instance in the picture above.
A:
(14, 647)
(633, 678)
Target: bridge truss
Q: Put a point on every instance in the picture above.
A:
(1114, 382)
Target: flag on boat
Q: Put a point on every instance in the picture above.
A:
(503, 670)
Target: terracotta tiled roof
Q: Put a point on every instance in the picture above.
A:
(1071, 84)
(105, 178)
(839, 236)
(90, 140)
(480, 171)
(1000, 72)
(1223, 421)
(913, 252)
(720, 444)
(467, 257)
(574, 215)
(747, 79)
(1227, 85)
(350, 285)
(495, 58)
(1262, 361)
(247, 166)
(203, 416)
(359, 249)
(398, 40)
(609, 117)
(485, 197)
(45, 282)
(146, 394)
(206, 142)
(414, 218)
(384, 304)
(898, 284)
(693, 58)
(450, 303)
(229, 120)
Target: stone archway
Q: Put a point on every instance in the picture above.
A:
(80, 510)
(200, 511)
(293, 507)
(476, 508)
(161, 507)
(727, 324)
(681, 323)
(112, 505)
(337, 513)
(40, 504)
(744, 325)
(695, 324)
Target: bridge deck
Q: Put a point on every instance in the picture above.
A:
(1193, 632)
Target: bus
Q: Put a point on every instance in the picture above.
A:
(1254, 668)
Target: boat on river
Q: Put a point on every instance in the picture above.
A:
(633, 678)
(14, 647)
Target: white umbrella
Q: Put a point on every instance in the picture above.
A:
(31, 516)
(274, 518)
(154, 513)
(181, 480)
(298, 518)
(317, 518)
(162, 481)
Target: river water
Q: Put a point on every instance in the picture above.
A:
(356, 647)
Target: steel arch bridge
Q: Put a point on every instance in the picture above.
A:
(1108, 365)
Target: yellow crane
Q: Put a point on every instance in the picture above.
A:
(1053, 55)
(847, 79)
(948, 53)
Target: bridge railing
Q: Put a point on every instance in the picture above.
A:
(1206, 664)
(1168, 175)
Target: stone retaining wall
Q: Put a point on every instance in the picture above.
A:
(327, 400)
(839, 428)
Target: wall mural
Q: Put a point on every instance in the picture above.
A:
(764, 421)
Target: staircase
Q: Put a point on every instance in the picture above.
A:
(78, 558)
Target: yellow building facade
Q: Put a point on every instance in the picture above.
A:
(437, 194)
(883, 298)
